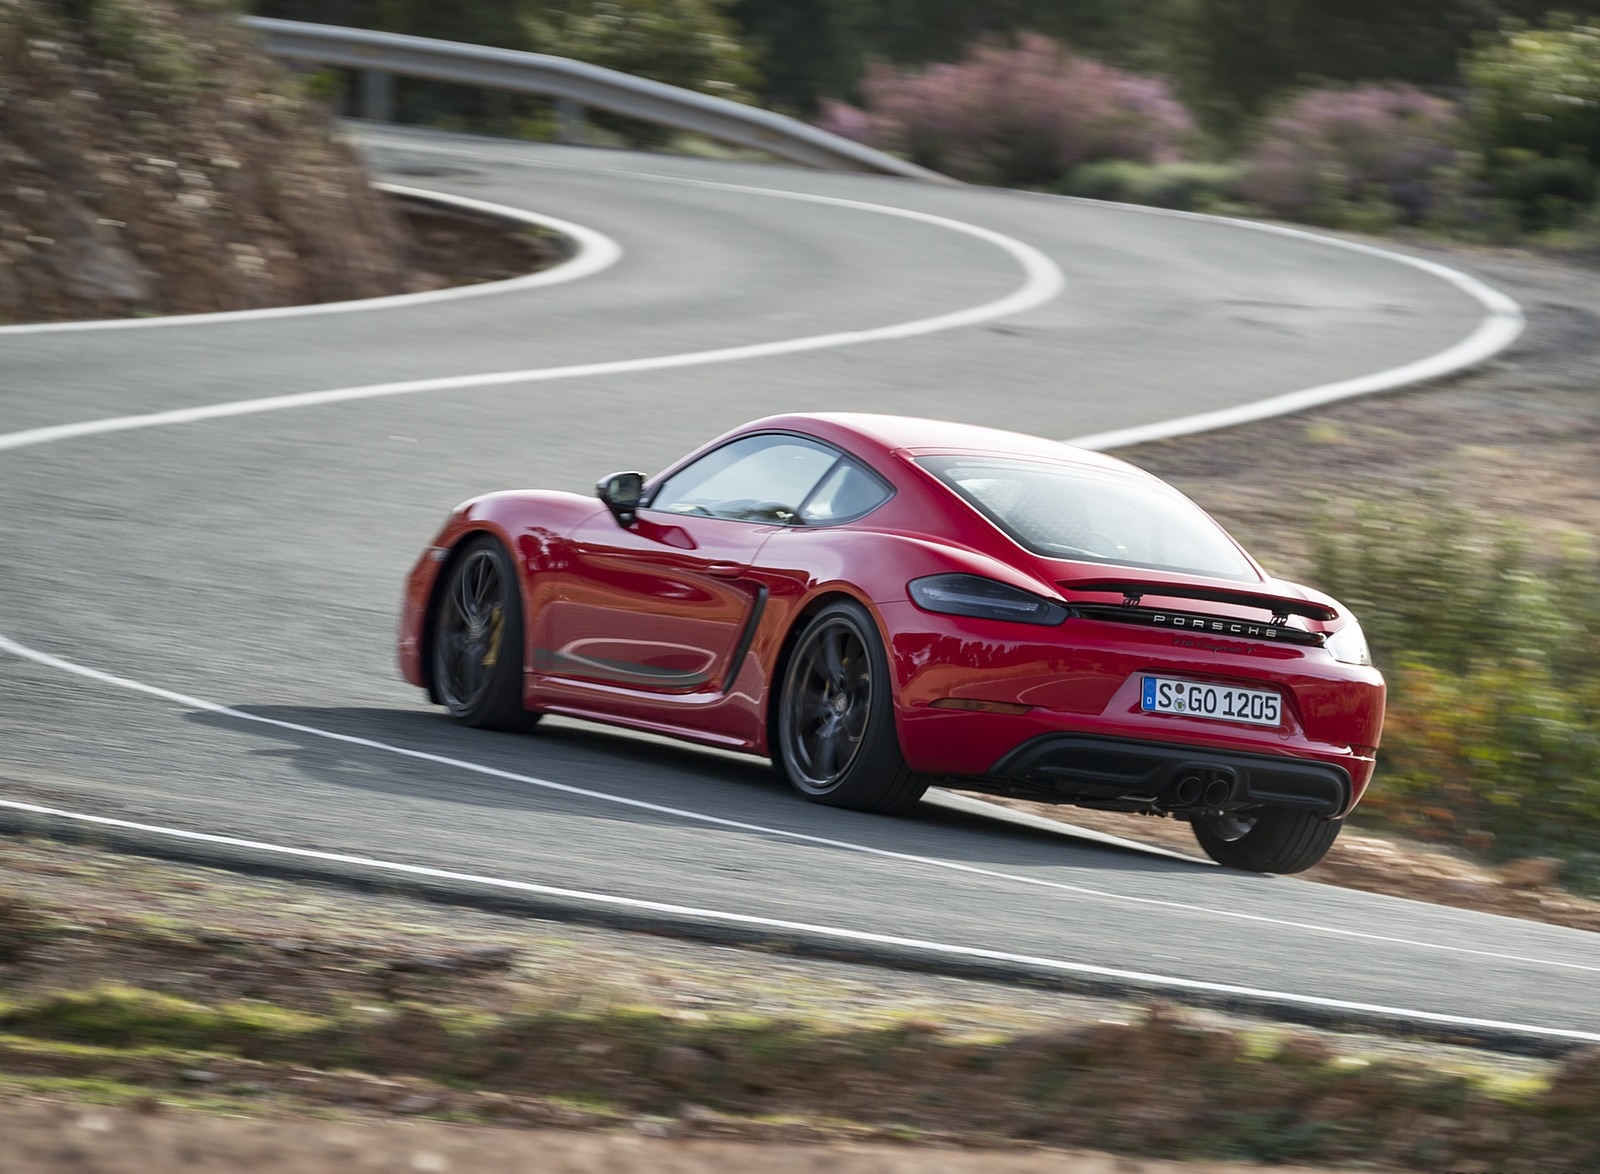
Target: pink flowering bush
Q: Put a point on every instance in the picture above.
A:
(1021, 116)
(1359, 158)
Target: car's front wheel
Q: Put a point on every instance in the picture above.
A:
(1271, 839)
(477, 639)
(835, 722)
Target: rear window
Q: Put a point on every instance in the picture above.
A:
(1073, 512)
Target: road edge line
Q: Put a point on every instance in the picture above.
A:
(718, 927)
(592, 252)
(1502, 325)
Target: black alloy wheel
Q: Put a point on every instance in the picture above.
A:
(477, 639)
(1268, 839)
(835, 723)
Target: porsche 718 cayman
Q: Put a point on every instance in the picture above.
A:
(878, 603)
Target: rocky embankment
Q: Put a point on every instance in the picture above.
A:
(152, 161)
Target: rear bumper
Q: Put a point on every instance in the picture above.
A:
(1112, 772)
(1071, 725)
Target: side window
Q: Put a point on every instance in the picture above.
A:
(848, 491)
(756, 479)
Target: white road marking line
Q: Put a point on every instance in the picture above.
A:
(183, 699)
(1504, 323)
(1042, 281)
(594, 251)
(1501, 327)
(836, 933)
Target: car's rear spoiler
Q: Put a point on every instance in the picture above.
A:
(1132, 590)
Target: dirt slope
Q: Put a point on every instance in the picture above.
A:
(153, 162)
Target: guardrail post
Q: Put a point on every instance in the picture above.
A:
(569, 121)
(377, 95)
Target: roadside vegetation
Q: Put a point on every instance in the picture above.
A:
(1473, 118)
(1508, 150)
(1492, 649)
(135, 983)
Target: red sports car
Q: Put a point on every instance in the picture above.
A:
(878, 603)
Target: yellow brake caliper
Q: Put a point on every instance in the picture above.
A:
(496, 626)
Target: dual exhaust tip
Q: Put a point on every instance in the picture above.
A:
(1204, 788)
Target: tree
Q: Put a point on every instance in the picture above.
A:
(477, 22)
(1536, 109)
(688, 43)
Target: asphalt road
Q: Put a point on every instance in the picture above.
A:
(254, 562)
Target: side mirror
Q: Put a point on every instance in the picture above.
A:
(623, 493)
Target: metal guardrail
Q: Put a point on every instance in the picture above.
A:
(380, 57)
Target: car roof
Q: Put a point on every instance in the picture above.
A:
(917, 437)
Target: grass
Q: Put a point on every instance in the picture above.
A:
(1196, 1091)
(116, 1016)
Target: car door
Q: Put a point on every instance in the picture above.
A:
(667, 604)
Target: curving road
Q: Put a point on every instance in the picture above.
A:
(198, 610)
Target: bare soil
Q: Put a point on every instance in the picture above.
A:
(47, 1137)
(447, 246)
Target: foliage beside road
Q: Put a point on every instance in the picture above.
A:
(161, 986)
(1512, 150)
(1475, 118)
(1492, 742)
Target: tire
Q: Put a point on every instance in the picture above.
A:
(836, 739)
(477, 641)
(1272, 839)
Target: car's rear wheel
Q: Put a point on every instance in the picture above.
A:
(477, 639)
(835, 727)
(1271, 839)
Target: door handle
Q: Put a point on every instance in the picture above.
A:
(726, 570)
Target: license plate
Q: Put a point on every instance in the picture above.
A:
(1223, 703)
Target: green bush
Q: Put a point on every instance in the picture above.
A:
(159, 56)
(1188, 187)
(1542, 194)
(687, 43)
(1535, 98)
(1503, 760)
(1491, 644)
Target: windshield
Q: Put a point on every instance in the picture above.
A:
(1093, 515)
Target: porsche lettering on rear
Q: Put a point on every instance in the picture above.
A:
(1227, 627)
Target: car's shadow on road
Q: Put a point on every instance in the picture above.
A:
(600, 774)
